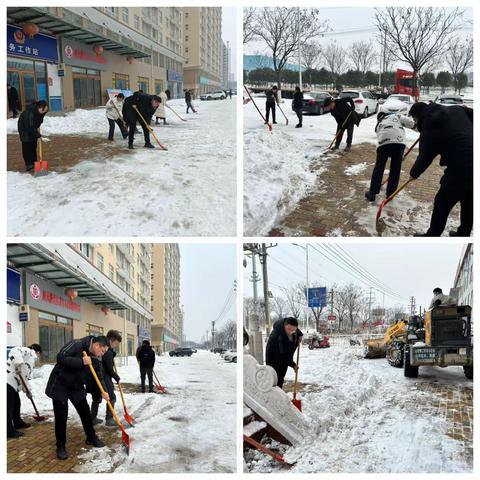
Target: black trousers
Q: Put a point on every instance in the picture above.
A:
(13, 410)
(340, 132)
(281, 372)
(111, 129)
(97, 400)
(452, 190)
(149, 373)
(394, 152)
(60, 410)
(190, 106)
(299, 113)
(132, 125)
(270, 107)
(29, 153)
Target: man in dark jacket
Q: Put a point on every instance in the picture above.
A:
(67, 382)
(281, 345)
(272, 100)
(297, 106)
(108, 359)
(343, 110)
(28, 129)
(146, 361)
(13, 100)
(146, 106)
(188, 101)
(448, 132)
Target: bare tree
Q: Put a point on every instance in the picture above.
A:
(362, 55)
(334, 56)
(279, 307)
(416, 35)
(459, 57)
(283, 28)
(311, 55)
(296, 302)
(248, 24)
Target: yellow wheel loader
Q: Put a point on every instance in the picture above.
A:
(386, 346)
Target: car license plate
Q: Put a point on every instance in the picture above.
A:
(425, 354)
(462, 351)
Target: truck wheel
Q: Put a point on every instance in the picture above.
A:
(468, 371)
(395, 355)
(408, 370)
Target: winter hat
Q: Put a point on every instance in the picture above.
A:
(437, 290)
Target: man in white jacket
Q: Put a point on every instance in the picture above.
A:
(391, 139)
(113, 111)
(20, 363)
(440, 299)
(160, 112)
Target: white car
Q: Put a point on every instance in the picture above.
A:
(397, 103)
(365, 103)
(230, 356)
(447, 99)
(216, 95)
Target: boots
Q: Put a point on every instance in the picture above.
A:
(148, 145)
(94, 442)
(348, 148)
(370, 196)
(62, 453)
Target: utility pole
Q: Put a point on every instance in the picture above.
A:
(228, 60)
(213, 335)
(299, 51)
(370, 296)
(412, 305)
(263, 261)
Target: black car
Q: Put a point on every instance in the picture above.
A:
(313, 102)
(181, 352)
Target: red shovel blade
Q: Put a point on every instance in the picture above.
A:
(297, 403)
(39, 418)
(161, 389)
(269, 126)
(126, 441)
(128, 418)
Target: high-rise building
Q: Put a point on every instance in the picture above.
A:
(167, 324)
(203, 49)
(464, 276)
(67, 291)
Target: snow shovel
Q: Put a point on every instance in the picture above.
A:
(340, 131)
(170, 108)
(263, 449)
(125, 436)
(380, 226)
(269, 125)
(37, 416)
(149, 128)
(120, 116)
(128, 418)
(40, 167)
(296, 401)
(405, 156)
(284, 116)
(158, 384)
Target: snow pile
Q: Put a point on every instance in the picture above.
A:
(189, 190)
(366, 417)
(356, 169)
(192, 428)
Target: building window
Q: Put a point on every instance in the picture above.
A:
(120, 81)
(130, 345)
(143, 84)
(158, 87)
(86, 249)
(110, 271)
(100, 262)
(125, 14)
(94, 330)
(110, 10)
(136, 23)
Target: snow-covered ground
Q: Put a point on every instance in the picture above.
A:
(189, 190)
(278, 165)
(192, 428)
(364, 416)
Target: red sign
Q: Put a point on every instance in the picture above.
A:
(332, 318)
(54, 299)
(79, 54)
(9, 327)
(34, 291)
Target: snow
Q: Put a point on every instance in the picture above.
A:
(253, 427)
(281, 167)
(192, 428)
(189, 190)
(366, 417)
(356, 169)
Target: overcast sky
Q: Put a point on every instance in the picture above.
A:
(207, 272)
(342, 20)
(229, 32)
(407, 269)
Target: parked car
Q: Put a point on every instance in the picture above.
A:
(229, 355)
(449, 99)
(313, 102)
(216, 95)
(219, 350)
(181, 352)
(397, 103)
(365, 103)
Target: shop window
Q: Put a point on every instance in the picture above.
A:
(143, 84)
(158, 87)
(46, 316)
(94, 330)
(130, 345)
(121, 82)
(54, 333)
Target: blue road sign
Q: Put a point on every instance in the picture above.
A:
(317, 297)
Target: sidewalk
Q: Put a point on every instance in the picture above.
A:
(337, 207)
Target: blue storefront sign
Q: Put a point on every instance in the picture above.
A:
(317, 297)
(173, 76)
(13, 286)
(143, 333)
(41, 47)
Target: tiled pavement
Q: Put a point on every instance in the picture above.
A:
(335, 202)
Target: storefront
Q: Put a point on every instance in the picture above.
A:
(175, 83)
(14, 325)
(207, 85)
(143, 334)
(51, 311)
(31, 67)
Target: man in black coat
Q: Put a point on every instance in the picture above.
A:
(146, 106)
(281, 345)
(108, 360)
(146, 361)
(29, 124)
(271, 102)
(13, 100)
(343, 110)
(297, 106)
(188, 101)
(67, 382)
(448, 132)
